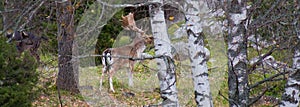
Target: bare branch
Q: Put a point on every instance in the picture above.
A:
(122, 57)
(125, 5)
(259, 96)
(149, 67)
(267, 12)
(269, 79)
(22, 15)
(31, 15)
(261, 58)
(235, 103)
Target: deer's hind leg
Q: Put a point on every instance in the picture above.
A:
(34, 53)
(101, 78)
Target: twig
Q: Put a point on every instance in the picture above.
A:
(259, 96)
(22, 15)
(261, 58)
(31, 15)
(149, 67)
(59, 96)
(268, 79)
(234, 102)
(267, 12)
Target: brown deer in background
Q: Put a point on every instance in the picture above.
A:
(26, 41)
(111, 63)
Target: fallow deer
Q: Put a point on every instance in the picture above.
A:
(26, 41)
(112, 64)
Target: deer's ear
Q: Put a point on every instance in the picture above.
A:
(151, 37)
(9, 32)
(131, 13)
(123, 17)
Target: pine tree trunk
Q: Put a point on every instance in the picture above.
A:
(237, 55)
(166, 73)
(198, 55)
(291, 95)
(68, 70)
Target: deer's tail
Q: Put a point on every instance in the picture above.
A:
(107, 59)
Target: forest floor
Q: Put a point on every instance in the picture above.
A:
(144, 92)
(146, 85)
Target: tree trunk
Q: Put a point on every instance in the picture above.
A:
(68, 70)
(4, 14)
(166, 73)
(290, 97)
(237, 54)
(198, 55)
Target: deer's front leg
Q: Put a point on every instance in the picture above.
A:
(131, 67)
(130, 82)
(111, 81)
(111, 73)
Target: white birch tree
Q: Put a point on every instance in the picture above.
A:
(198, 55)
(236, 14)
(291, 95)
(166, 73)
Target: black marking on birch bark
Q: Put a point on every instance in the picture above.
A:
(190, 58)
(197, 94)
(190, 32)
(159, 44)
(169, 86)
(202, 74)
(202, 97)
(156, 50)
(293, 85)
(160, 77)
(164, 98)
(156, 22)
(193, 67)
(298, 61)
(199, 39)
(289, 98)
(296, 75)
(203, 61)
(167, 93)
(198, 54)
(158, 63)
(200, 84)
(171, 77)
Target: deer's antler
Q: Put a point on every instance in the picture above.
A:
(128, 23)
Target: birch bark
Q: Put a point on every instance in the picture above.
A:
(166, 73)
(198, 55)
(237, 54)
(291, 95)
